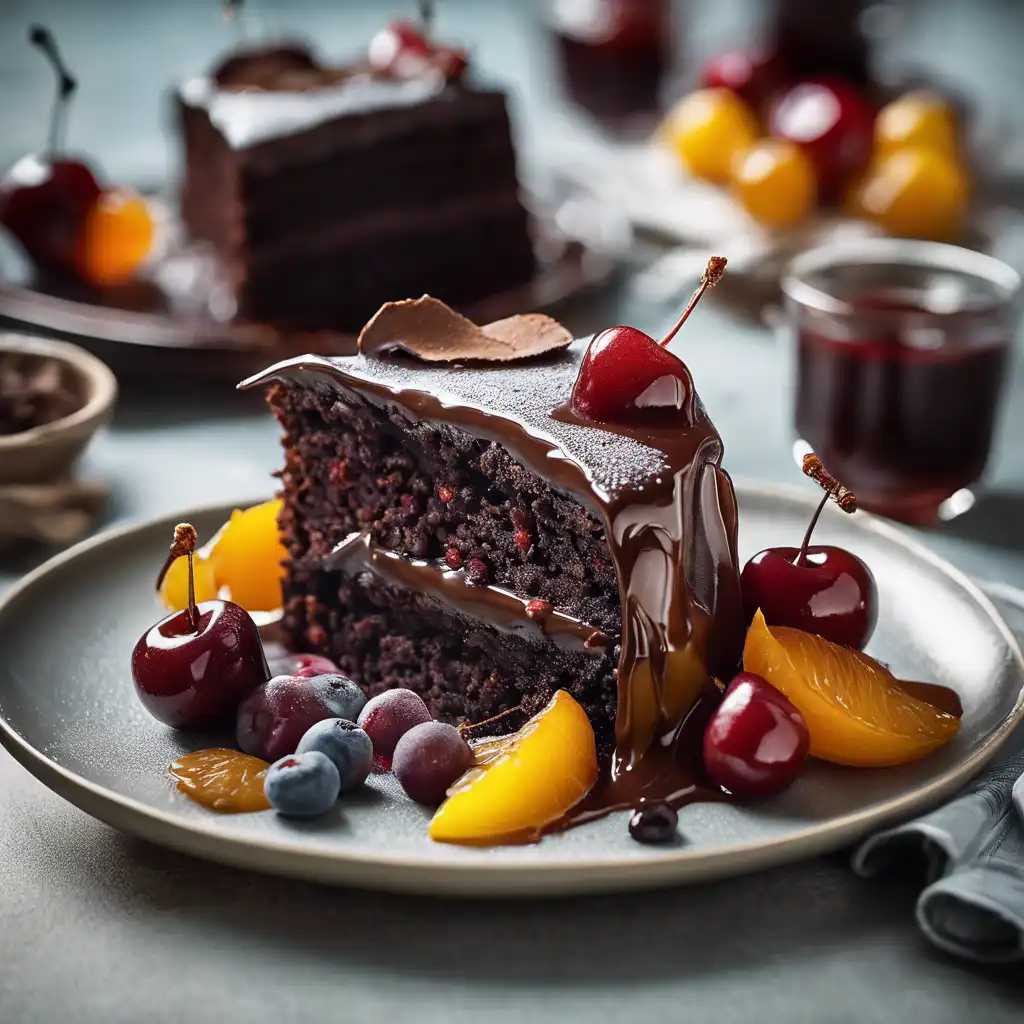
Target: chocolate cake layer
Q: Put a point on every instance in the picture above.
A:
(484, 477)
(344, 283)
(326, 202)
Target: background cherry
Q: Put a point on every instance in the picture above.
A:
(192, 669)
(753, 76)
(832, 122)
(628, 377)
(820, 589)
(757, 741)
(45, 198)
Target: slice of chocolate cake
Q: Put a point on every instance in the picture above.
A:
(458, 530)
(327, 191)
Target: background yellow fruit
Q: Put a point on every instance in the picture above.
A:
(707, 129)
(775, 183)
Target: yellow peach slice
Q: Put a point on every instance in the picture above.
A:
(522, 782)
(855, 709)
(248, 557)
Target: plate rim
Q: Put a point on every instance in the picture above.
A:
(494, 874)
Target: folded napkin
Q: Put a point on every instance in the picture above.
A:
(974, 849)
(973, 904)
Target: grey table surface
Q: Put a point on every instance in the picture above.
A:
(98, 927)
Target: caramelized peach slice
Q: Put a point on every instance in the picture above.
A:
(522, 782)
(247, 557)
(856, 710)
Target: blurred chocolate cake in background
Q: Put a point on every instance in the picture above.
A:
(328, 190)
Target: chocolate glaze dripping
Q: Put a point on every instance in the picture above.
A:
(673, 538)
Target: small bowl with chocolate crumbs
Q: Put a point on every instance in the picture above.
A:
(53, 398)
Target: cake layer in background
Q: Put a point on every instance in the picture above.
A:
(329, 191)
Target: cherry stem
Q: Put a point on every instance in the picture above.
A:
(466, 726)
(801, 559)
(426, 8)
(184, 544)
(42, 38)
(711, 276)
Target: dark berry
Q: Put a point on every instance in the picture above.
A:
(302, 785)
(302, 665)
(274, 718)
(345, 744)
(653, 824)
(389, 716)
(428, 759)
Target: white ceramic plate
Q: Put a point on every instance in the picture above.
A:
(68, 712)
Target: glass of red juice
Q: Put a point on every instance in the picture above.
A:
(902, 350)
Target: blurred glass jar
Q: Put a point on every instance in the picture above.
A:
(614, 56)
(902, 350)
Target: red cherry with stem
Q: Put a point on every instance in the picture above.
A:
(757, 741)
(833, 124)
(820, 589)
(44, 198)
(193, 669)
(628, 377)
(754, 77)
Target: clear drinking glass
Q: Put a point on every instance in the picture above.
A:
(902, 351)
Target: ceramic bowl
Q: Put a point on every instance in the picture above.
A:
(47, 452)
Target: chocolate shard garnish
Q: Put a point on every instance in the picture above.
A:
(430, 330)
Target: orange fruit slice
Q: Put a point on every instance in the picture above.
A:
(242, 562)
(855, 709)
(248, 557)
(522, 782)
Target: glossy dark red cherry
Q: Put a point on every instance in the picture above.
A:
(820, 589)
(628, 377)
(44, 203)
(754, 77)
(831, 592)
(195, 678)
(399, 49)
(193, 668)
(625, 374)
(832, 122)
(756, 742)
(44, 198)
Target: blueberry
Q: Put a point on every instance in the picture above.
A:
(302, 785)
(343, 696)
(345, 744)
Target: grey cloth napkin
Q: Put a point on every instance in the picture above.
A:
(973, 905)
(973, 902)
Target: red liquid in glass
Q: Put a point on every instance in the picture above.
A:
(903, 425)
(614, 54)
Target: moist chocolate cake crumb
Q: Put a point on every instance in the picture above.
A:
(436, 493)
